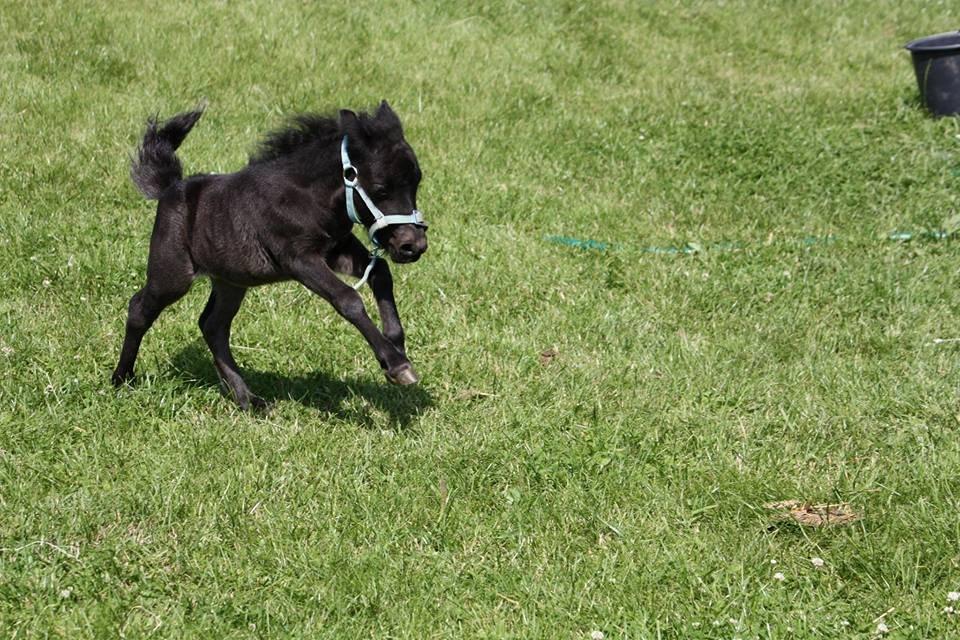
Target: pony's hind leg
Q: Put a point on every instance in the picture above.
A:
(170, 273)
(215, 321)
(145, 306)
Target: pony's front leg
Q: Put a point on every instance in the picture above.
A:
(314, 273)
(351, 258)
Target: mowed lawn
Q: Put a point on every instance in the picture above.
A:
(597, 430)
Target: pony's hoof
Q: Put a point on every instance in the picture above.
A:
(120, 378)
(252, 404)
(403, 375)
(258, 405)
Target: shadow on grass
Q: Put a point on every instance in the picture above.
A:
(317, 390)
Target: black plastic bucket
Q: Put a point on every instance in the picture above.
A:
(936, 61)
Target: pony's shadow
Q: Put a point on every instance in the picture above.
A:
(193, 365)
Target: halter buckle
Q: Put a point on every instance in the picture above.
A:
(351, 175)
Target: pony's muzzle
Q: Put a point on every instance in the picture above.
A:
(408, 243)
(411, 251)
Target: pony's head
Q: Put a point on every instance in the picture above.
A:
(381, 177)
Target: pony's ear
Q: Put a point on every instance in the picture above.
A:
(347, 116)
(387, 116)
(350, 125)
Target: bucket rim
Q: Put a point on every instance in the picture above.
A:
(929, 43)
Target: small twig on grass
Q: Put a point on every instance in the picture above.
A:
(510, 600)
(240, 347)
(157, 622)
(444, 499)
(470, 394)
(73, 552)
(883, 615)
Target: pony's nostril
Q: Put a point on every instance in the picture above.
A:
(407, 249)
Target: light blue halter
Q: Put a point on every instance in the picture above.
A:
(351, 182)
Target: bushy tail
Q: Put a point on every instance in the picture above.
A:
(156, 166)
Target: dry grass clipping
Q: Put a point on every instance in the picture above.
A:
(814, 515)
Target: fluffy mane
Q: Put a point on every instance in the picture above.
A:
(311, 130)
(301, 131)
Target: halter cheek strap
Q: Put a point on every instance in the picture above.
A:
(351, 183)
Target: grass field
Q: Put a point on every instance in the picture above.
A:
(615, 485)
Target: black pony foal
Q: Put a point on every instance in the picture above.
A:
(284, 216)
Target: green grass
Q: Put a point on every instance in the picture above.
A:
(618, 487)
